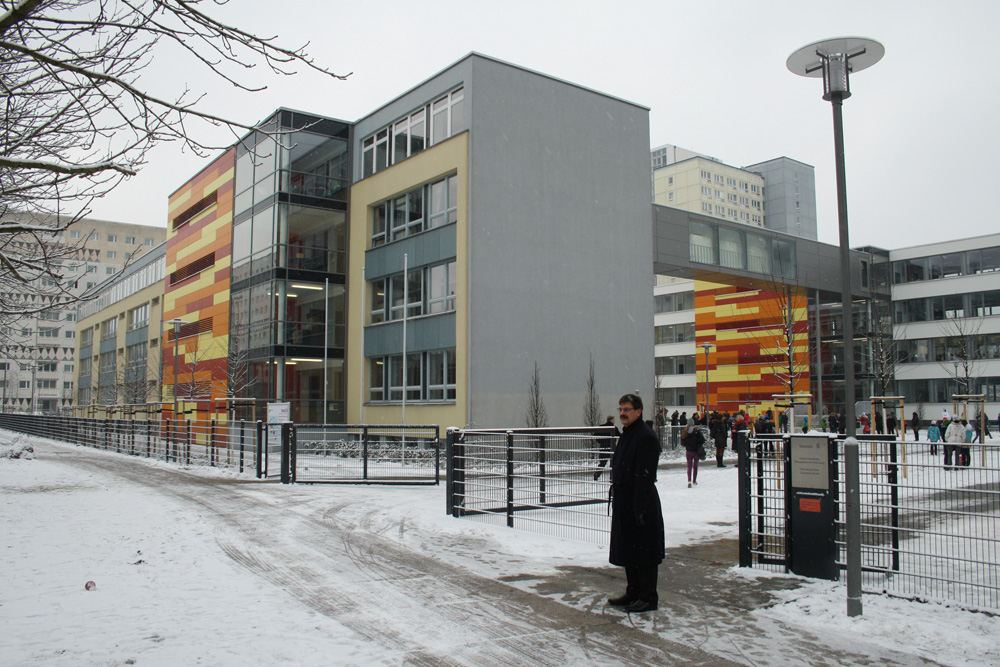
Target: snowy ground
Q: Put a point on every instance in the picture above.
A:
(201, 567)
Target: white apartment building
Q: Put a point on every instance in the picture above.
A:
(676, 381)
(36, 351)
(946, 303)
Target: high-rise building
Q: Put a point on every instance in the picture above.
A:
(37, 349)
(789, 196)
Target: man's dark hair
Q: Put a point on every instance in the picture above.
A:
(633, 399)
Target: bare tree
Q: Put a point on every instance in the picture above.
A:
(536, 415)
(963, 353)
(592, 407)
(240, 379)
(191, 382)
(881, 346)
(78, 118)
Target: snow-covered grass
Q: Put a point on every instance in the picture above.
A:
(167, 594)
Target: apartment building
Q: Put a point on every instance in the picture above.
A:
(37, 368)
(946, 321)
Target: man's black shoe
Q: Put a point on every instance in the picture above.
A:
(621, 600)
(639, 606)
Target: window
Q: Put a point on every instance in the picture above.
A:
(670, 196)
(129, 240)
(138, 317)
(443, 208)
(94, 236)
(441, 288)
(706, 207)
(74, 234)
(719, 179)
(109, 328)
(87, 337)
(24, 384)
(674, 333)
(46, 384)
(112, 238)
(702, 243)
(48, 332)
(110, 270)
(409, 136)
(149, 242)
(429, 290)
(49, 315)
(68, 385)
(430, 376)
(720, 195)
(91, 268)
(67, 368)
(70, 316)
(731, 182)
(412, 212)
(70, 333)
(706, 175)
(447, 116)
(731, 198)
(48, 367)
(112, 254)
(706, 191)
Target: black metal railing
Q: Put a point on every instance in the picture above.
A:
(928, 530)
(554, 481)
(358, 453)
(217, 443)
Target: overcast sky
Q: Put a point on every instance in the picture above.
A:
(921, 129)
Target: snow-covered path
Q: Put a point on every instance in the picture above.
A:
(347, 575)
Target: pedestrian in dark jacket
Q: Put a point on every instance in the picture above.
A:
(915, 426)
(637, 541)
(719, 432)
(692, 438)
(605, 444)
(890, 423)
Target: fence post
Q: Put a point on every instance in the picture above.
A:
(894, 504)
(437, 455)
(243, 423)
(852, 487)
(187, 442)
(450, 506)
(211, 443)
(261, 471)
(541, 470)
(293, 459)
(286, 453)
(743, 457)
(510, 479)
(364, 452)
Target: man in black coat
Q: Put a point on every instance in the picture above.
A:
(637, 541)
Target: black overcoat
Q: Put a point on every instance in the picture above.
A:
(636, 519)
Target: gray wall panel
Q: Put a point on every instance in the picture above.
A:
(560, 246)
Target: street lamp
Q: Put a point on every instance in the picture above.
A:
(176, 322)
(834, 60)
(706, 346)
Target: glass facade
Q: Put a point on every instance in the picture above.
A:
(729, 248)
(288, 303)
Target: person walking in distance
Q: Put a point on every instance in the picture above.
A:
(954, 438)
(605, 443)
(637, 540)
(691, 439)
(915, 426)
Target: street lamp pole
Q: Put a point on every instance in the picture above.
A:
(834, 60)
(706, 346)
(176, 322)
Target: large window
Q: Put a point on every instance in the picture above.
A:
(702, 243)
(428, 290)
(683, 365)
(426, 207)
(138, 317)
(409, 135)
(969, 262)
(675, 333)
(430, 376)
(109, 328)
(669, 303)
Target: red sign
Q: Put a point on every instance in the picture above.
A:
(809, 505)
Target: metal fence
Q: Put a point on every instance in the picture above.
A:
(554, 481)
(393, 454)
(928, 530)
(212, 443)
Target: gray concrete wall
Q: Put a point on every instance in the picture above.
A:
(560, 245)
